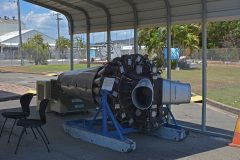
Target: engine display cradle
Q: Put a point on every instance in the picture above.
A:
(107, 132)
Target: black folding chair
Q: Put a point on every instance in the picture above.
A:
(35, 124)
(25, 101)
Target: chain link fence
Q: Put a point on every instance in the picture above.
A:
(219, 54)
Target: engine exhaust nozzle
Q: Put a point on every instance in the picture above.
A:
(174, 92)
(142, 94)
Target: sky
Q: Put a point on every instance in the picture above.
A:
(44, 20)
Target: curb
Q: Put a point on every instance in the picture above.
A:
(224, 107)
(221, 106)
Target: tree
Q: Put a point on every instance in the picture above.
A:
(81, 47)
(36, 49)
(183, 37)
(62, 44)
(154, 39)
(186, 37)
(218, 31)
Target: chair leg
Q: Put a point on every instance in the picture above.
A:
(43, 138)
(45, 135)
(19, 140)
(3, 126)
(26, 128)
(11, 130)
(34, 133)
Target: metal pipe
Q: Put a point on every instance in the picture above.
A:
(71, 50)
(109, 23)
(135, 14)
(135, 40)
(204, 63)
(88, 25)
(66, 14)
(88, 49)
(108, 44)
(169, 21)
(61, 2)
(20, 33)
(168, 46)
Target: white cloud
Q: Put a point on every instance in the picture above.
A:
(46, 23)
(8, 8)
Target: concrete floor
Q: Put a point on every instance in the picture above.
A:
(64, 147)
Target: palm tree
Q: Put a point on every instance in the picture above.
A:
(62, 44)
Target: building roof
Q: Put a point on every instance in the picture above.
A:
(124, 14)
(12, 38)
(13, 34)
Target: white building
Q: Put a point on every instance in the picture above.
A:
(9, 42)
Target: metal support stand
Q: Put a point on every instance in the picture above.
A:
(169, 131)
(107, 132)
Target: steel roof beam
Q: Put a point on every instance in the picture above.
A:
(88, 24)
(109, 23)
(66, 14)
(70, 21)
(136, 21)
(61, 2)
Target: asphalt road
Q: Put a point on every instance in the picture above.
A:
(63, 147)
(28, 80)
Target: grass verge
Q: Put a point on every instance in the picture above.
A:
(42, 68)
(222, 82)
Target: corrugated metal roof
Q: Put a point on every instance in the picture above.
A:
(149, 12)
(12, 38)
(13, 34)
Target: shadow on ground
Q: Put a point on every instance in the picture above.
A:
(64, 147)
(212, 129)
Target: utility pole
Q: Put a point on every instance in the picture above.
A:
(58, 23)
(20, 33)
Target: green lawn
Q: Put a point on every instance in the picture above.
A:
(223, 82)
(55, 68)
(44, 68)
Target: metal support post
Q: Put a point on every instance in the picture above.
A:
(71, 52)
(204, 63)
(135, 40)
(20, 33)
(108, 44)
(88, 49)
(168, 45)
(135, 14)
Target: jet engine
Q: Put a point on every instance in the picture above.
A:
(138, 94)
